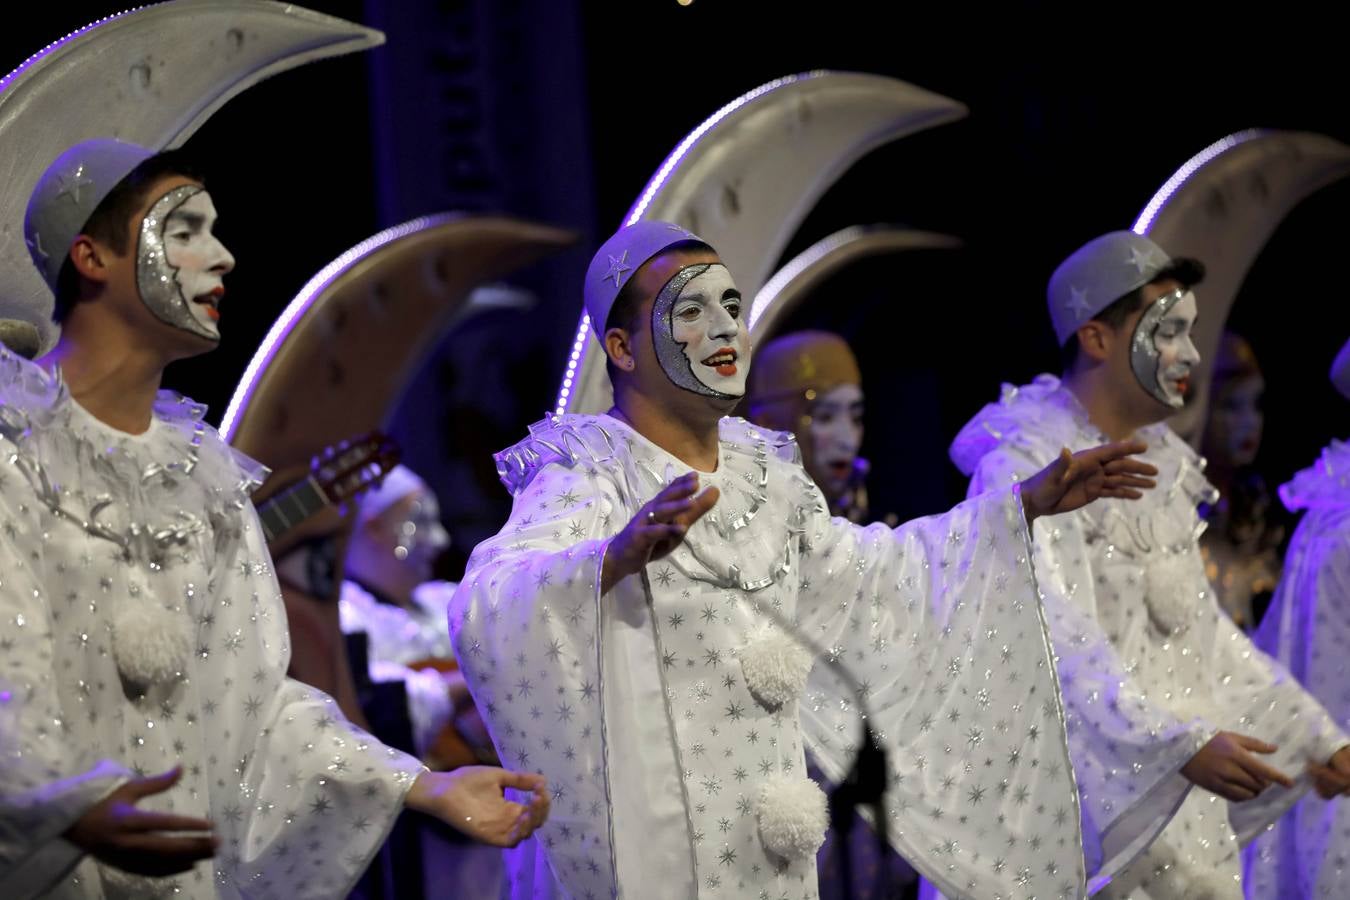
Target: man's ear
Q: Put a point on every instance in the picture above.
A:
(89, 258)
(619, 350)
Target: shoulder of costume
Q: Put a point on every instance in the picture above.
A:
(561, 440)
(743, 435)
(1325, 484)
(222, 468)
(1026, 418)
(28, 394)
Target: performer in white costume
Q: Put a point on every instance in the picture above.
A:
(1146, 656)
(389, 596)
(646, 645)
(807, 383)
(1306, 856)
(140, 621)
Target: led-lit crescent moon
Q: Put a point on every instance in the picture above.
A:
(341, 354)
(1221, 207)
(746, 178)
(150, 76)
(793, 283)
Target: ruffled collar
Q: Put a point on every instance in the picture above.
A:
(721, 548)
(143, 492)
(1324, 484)
(1047, 412)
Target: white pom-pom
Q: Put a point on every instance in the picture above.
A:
(150, 643)
(775, 666)
(792, 816)
(1170, 597)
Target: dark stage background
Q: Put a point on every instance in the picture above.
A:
(560, 111)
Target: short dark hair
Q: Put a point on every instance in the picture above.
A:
(624, 313)
(109, 221)
(1185, 271)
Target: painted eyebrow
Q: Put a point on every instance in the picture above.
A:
(190, 219)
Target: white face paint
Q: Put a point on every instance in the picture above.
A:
(701, 341)
(180, 263)
(836, 431)
(1161, 352)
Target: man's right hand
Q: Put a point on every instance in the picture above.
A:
(1226, 766)
(115, 832)
(656, 530)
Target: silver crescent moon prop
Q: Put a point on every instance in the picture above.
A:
(1220, 208)
(793, 283)
(150, 76)
(340, 355)
(747, 176)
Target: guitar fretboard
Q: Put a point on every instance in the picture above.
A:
(292, 506)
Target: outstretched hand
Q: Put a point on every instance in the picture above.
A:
(1226, 766)
(118, 833)
(657, 529)
(1332, 779)
(472, 800)
(1076, 479)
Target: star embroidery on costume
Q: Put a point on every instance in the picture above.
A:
(1141, 260)
(1078, 303)
(35, 248)
(617, 266)
(72, 184)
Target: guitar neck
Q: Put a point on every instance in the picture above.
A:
(282, 512)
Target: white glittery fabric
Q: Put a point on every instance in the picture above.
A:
(1306, 856)
(398, 637)
(92, 519)
(636, 707)
(1150, 667)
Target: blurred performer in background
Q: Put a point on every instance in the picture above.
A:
(1162, 691)
(1306, 856)
(1241, 545)
(808, 384)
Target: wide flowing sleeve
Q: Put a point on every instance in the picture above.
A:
(1261, 698)
(1127, 750)
(1307, 629)
(938, 624)
(47, 778)
(305, 798)
(527, 627)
